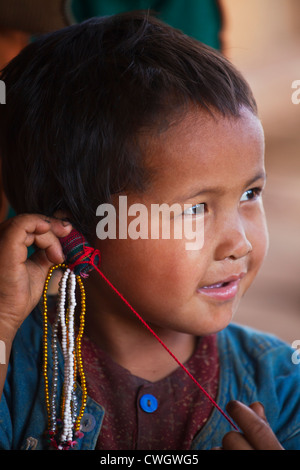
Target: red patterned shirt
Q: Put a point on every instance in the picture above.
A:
(139, 414)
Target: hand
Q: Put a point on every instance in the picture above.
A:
(22, 279)
(256, 433)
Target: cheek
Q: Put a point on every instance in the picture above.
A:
(164, 265)
(259, 239)
(150, 270)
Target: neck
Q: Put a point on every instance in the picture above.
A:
(129, 343)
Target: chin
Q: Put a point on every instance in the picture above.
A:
(216, 319)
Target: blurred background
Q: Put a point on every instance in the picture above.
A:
(262, 38)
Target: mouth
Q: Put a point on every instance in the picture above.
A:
(222, 290)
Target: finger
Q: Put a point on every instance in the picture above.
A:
(49, 245)
(235, 441)
(258, 408)
(49, 242)
(24, 230)
(39, 259)
(58, 227)
(255, 428)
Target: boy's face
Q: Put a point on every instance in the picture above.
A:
(171, 287)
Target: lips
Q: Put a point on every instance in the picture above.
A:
(225, 289)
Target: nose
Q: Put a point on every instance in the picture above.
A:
(232, 240)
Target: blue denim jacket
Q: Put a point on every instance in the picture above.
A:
(253, 367)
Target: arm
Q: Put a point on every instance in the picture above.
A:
(22, 279)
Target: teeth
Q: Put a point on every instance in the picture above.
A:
(213, 286)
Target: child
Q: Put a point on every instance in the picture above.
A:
(128, 106)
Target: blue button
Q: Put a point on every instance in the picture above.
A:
(148, 403)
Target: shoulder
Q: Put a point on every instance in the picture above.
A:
(257, 337)
(250, 343)
(262, 356)
(258, 365)
(255, 356)
(261, 367)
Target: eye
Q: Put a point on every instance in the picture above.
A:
(251, 194)
(197, 209)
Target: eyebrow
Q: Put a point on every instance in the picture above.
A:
(218, 189)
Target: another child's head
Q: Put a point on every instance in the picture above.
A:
(128, 105)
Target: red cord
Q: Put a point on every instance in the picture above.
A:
(89, 255)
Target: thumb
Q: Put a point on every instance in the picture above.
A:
(41, 263)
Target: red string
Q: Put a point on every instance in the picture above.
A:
(93, 252)
(88, 256)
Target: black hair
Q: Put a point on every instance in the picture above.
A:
(77, 98)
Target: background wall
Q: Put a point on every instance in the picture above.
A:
(262, 38)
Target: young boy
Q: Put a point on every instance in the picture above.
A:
(128, 106)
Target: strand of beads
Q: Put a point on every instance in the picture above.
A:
(53, 396)
(68, 350)
(45, 345)
(72, 360)
(79, 358)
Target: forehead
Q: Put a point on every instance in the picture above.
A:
(201, 149)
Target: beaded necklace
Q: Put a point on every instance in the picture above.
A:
(63, 431)
(81, 258)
